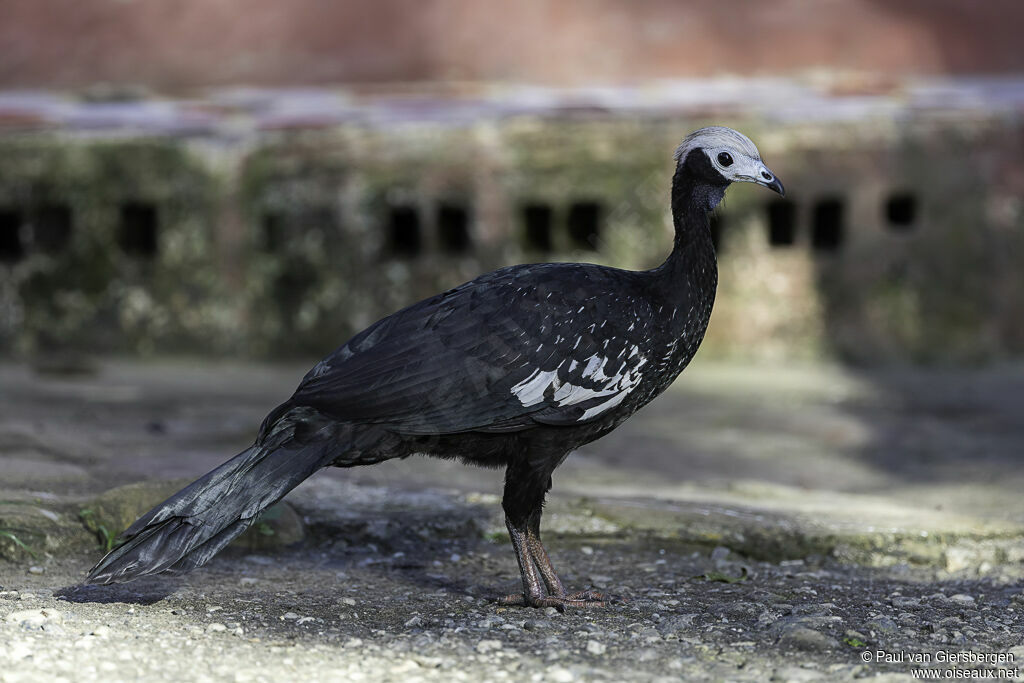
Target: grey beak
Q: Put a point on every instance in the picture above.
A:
(776, 186)
(769, 180)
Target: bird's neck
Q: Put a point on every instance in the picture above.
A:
(693, 253)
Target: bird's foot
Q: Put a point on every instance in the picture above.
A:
(577, 599)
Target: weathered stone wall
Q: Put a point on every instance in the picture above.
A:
(898, 241)
(72, 276)
(940, 281)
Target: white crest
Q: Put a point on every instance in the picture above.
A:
(716, 137)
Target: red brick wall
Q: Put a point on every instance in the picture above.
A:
(169, 44)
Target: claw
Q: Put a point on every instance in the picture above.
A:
(578, 599)
(513, 600)
(588, 596)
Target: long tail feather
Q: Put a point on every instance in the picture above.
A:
(191, 526)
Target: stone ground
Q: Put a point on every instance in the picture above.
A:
(754, 523)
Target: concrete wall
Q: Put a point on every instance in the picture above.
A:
(901, 238)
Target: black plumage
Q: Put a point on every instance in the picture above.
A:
(514, 369)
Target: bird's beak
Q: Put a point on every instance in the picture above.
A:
(769, 180)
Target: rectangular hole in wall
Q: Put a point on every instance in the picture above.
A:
(537, 227)
(137, 233)
(272, 231)
(901, 211)
(11, 246)
(51, 229)
(404, 238)
(584, 224)
(827, 224)
(453, 228)
(323, 219)
(781, 223)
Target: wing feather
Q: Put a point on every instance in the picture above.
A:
(512, 349)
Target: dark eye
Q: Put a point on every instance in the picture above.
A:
(725, 159)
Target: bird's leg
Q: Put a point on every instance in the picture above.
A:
(523, 503)
(547, 570)
(541, 559)
(533, 593)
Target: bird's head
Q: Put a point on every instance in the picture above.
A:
(718, 156)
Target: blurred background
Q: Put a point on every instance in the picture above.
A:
(200, 198)
(263, 179)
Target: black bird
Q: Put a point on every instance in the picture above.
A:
(514, 369)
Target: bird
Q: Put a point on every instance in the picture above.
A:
(514, 369)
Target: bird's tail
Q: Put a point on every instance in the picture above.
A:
(188, 528)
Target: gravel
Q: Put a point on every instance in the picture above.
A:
(327, 613)
(751, 525)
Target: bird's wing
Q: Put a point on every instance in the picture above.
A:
(553, 344)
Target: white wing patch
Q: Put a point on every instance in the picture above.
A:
(532, 390)
(601, 407)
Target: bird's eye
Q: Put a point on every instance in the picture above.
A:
(725, 159)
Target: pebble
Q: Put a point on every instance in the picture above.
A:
(560, 675)
(404, 667)
(414, 622)
(490, 622)
(429, 662)
(19, 650)
(289, 616)
(808, 639)
(351, 602)
(35, 618)
(649, 632)
(884, 624)
(719, 553)
(485, 646)
(850, 633)
(596, 648)
(216, 627)
(900, 602)
(962, 599)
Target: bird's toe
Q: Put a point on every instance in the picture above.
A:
(514, 600)
(587, 596)
(578, 599)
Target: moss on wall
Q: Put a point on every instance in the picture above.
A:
(91, 292)
(286, 248)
